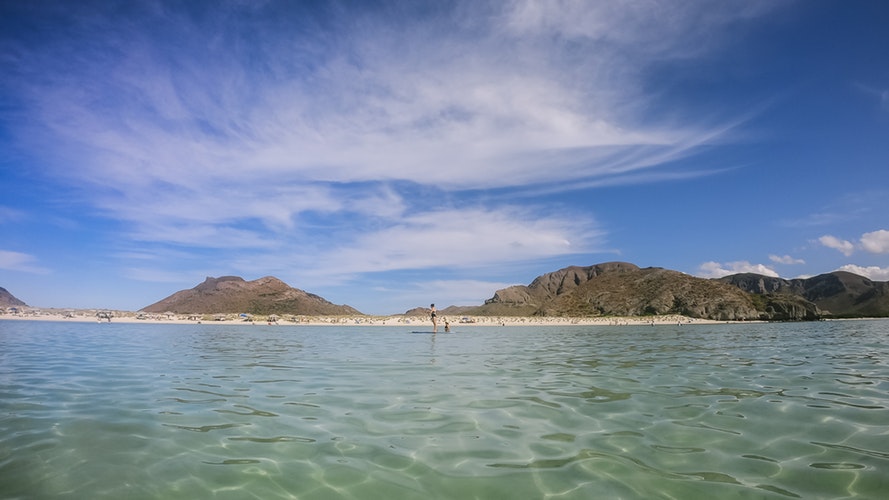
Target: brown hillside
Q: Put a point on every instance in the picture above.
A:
(836, 294)
(623, 289)
(231, 294)
(8, 300)
(521, 300)
(654, 291)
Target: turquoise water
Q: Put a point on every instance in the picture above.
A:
(92, 410)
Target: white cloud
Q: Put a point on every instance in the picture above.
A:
(873, 242)
(17, 261)
(649, 26)
(385, 102)
(718, 270)
(460, 238)
(785, 259)
(872, 272)
(845, 247)
(345, 150)
(876, 241)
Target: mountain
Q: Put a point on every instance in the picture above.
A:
(9, 300)
(447, 311)
(624, 289)
(418, 311)
(838, 294)
(521, 300)
(231, 294)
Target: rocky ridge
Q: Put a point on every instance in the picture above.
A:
(624, 289)
(838, 294)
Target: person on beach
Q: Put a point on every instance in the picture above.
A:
(447, 326)
(434, 321)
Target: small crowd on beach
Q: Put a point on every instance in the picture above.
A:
(439, 323)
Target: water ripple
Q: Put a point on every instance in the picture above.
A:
(276, 439)
(705, 411)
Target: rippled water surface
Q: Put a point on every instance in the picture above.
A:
(212, 411)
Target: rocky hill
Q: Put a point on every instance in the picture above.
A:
(418, 311)
(232, 294)
(838, 294)
(447, 311)
(8, 300)
(624, 289)
(535, 299)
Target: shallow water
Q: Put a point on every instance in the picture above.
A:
(211, 411)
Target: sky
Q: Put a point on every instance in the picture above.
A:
(389, 155)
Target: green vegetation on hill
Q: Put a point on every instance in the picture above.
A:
(623, 289)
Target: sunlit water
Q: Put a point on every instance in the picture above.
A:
(211, 411)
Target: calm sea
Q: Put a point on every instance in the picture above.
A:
(92, 410)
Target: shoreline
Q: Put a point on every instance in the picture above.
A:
(456, 321)
(100, 316)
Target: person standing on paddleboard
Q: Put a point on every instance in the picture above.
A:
(434, 321)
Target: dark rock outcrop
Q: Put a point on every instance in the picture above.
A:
(231, 294)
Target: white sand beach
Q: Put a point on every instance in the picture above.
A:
(93, 315)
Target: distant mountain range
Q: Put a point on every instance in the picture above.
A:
(838, 294)
(624, 289)
(607, 289)
(231, 294)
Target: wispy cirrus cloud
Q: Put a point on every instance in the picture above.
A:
(462, 238)
(843, 209)
(11, 215)
(364, 106)
(196, 131)
(22, 262)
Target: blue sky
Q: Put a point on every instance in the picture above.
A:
(387, 155)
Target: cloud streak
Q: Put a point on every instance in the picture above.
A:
(21, 262)
(348, 140)
(462, 238)
(459, 109)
